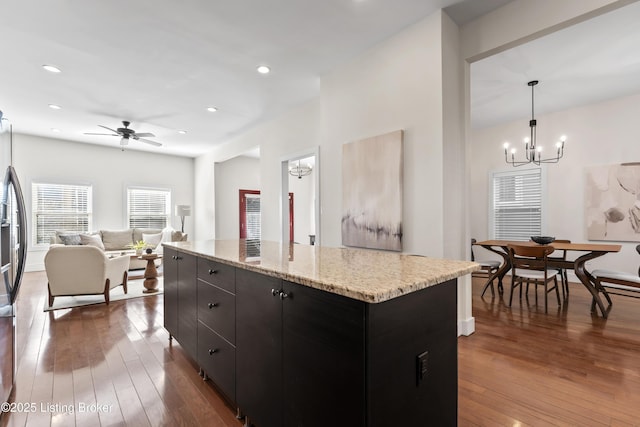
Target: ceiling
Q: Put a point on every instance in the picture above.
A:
(159, 64)
(589, 62)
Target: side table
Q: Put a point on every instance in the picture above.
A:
(150, 273)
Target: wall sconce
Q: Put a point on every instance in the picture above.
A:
(182, 211)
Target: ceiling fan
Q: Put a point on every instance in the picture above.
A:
(126, 134)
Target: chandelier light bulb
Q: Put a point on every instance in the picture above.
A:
(539, 149)
(563, 138)
(506, 145)
(559, 144)
(526, 140)
(513, 151)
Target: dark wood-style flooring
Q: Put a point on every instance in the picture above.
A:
(522, 367)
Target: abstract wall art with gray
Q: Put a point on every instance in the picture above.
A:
(612, 199)
(372, 174)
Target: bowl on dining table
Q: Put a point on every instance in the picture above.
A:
(543, 240)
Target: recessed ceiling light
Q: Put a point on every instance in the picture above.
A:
(212, 109)
(56, 130)
(55, 107)
(182, 132)
(52, 68)
(263, 69)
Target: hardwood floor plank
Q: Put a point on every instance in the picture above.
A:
(521, 367)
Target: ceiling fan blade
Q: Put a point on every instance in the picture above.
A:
(157, 144)
(145, 135)
(105, 134)
(112, 130)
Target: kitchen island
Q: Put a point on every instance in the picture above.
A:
(298, 335)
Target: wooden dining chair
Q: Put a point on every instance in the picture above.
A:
(529, 264)
(487, 269)
(562, 271)
(617, 283)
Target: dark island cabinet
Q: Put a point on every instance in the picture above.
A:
(323, 358)
(259, 348)
(217, 325)
(300, 354)
(170, 277)
(289, 355)
(180, 298)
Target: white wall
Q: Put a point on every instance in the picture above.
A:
(396, 85)
(238, 173)
(296, 131)
(598, 134)
(108, 170)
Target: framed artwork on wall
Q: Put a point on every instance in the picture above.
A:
(372, 174)
(612, 196)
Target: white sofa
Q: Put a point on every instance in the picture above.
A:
(117, 242)
(83, 270)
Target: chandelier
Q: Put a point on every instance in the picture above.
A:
(300, 170)
(532, 151)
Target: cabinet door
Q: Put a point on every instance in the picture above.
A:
(170, 267)
(187, 300)
(217, 357)
(259, 348)
(323, 358)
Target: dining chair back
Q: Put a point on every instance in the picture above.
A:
(529, 265)
(488, 268)
(562, 271)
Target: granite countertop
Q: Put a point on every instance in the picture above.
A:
(362, 274)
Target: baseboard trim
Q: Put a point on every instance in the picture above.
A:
(467, 326)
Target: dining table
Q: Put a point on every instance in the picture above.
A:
(588, 251)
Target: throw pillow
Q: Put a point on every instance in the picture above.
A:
(91, 240)
(152, 239)
(70, 239)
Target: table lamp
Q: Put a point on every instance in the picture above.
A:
(182, 211)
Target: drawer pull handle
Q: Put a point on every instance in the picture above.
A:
(275, 292)
(213, 271)
(212, 304)
(211, 351)
(283, 295)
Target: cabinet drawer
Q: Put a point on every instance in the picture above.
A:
(217, 310)
(218, 360)
(216, 273)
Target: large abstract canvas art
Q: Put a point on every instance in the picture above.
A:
(613, 202)
(372, 192)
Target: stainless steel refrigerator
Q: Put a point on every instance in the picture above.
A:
(13, 250)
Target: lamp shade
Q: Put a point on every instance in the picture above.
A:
(183, 210)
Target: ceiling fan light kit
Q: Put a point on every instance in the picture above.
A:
(532, 151)
(125, 134)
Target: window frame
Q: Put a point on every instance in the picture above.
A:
(36, 211)
(127, 204)
(542, 200)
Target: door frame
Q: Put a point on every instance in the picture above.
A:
(242, 208)
(284, 192)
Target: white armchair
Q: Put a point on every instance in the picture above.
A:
(83, 270)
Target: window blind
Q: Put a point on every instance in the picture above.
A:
(59, 207)
(148, 208)
(517, 204)
(253, 216)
